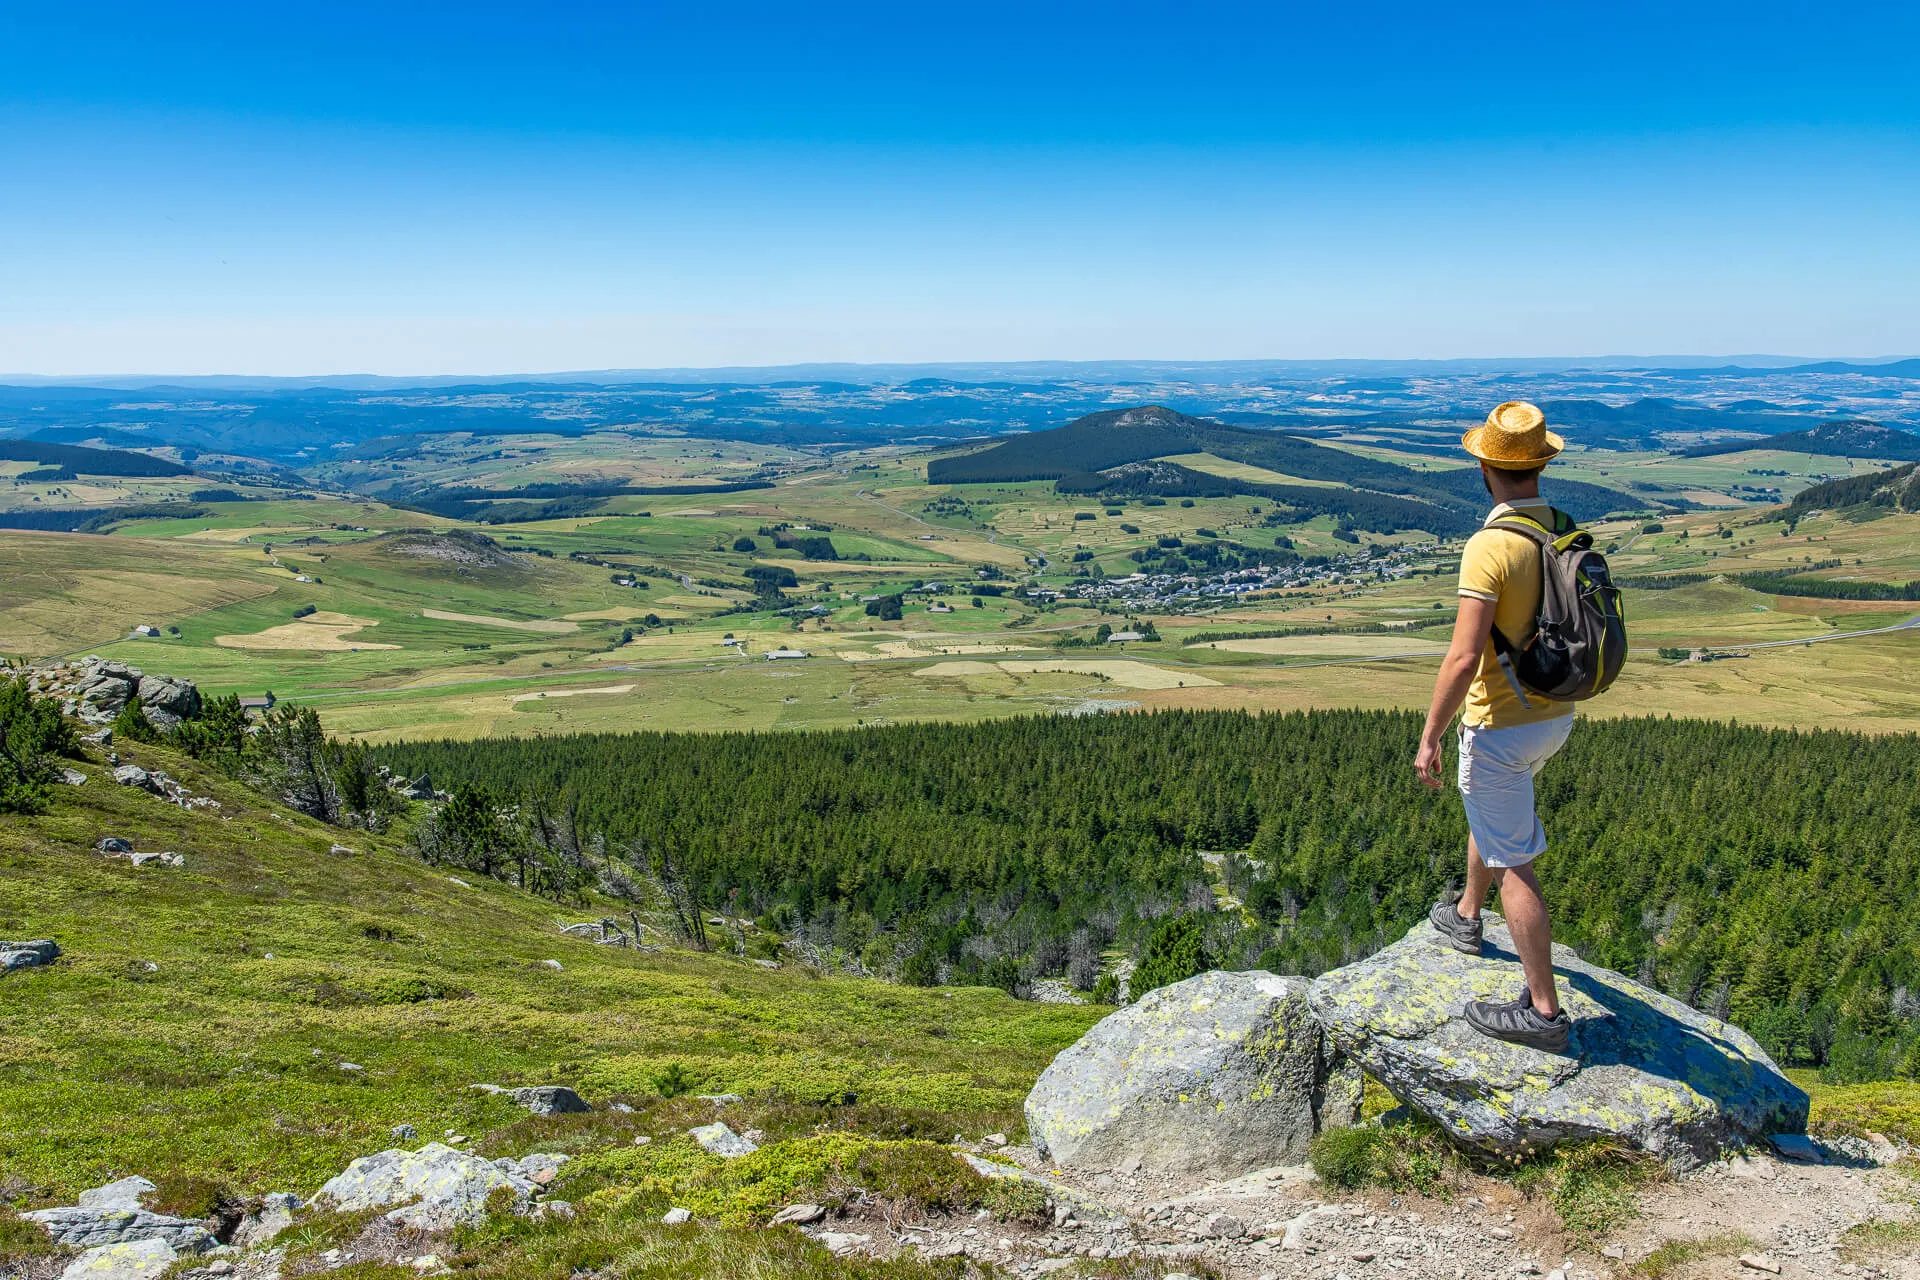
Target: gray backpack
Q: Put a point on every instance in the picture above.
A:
(1579, 640)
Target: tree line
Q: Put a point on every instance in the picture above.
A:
(1759, 874)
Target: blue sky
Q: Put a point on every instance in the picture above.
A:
(436, 189)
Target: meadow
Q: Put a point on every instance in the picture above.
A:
(541, 639)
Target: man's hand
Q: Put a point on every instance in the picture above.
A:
(1429, 762)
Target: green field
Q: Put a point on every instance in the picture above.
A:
(531, 642)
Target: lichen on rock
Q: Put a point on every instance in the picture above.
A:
(1643, 1069)
(1216, 1075)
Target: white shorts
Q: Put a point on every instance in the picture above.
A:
(1496, 781)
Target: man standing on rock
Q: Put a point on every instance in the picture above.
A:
(1505, 735)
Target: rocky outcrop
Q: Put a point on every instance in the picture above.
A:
(435, 1188)
(168, 701)
(265, 1219)
(1216, 1075)
(1643, 1069)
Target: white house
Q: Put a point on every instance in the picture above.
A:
(774, 655)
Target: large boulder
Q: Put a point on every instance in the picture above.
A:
(168, 701)
(435, 1188)
(104, 689)
(1217, 1075)
(1642, 1069)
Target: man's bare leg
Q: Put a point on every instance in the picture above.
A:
(1526, 912)
(1479, 880)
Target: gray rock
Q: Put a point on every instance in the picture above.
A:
(104, 689)
(674, 1217)
(114, 844)
(73, 777)
(28, 955)
(99, 737)
(1218, 1075)
(404, 1132)
(1643, 1069)
(168, 701)
(1798, 1146)
(538, 1168)
(721, 1141)
(124, 1194)
(720, 1099)
(132, 775)
(421, 788)
(88, 1228)
(549, 1099)
(799, 1215)
(125, 1260)
(446, 1188)
(273, 1215)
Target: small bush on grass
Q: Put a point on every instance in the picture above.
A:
(1017, 1200)
(1590, 1186)
(22, 1239)
(1403, 1156)
(187, 1195)
(828, 1168)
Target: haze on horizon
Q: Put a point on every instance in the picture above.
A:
(483, 190)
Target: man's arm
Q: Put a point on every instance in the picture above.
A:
(1470, 632)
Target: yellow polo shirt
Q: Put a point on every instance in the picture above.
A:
(1504, 567)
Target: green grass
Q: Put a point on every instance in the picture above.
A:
(1669, 1258)
(274, 962)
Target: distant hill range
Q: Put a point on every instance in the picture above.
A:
(1125, 452)
(1848, 438)
(1898, 488)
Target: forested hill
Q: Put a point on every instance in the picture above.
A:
(1095, 454)
(1898, 488)
(89, 462)
(1762, 873)
(1844, 439)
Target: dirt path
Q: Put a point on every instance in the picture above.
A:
(1282, 1224)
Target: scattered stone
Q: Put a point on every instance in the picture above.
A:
(123, 1260)
(457, 880)
(549, 1099)
(719, 1099)
(428, 1263)
(721, 1141)
(560, 1209)
(674, 1217)
(1293, 1236)
(421, 788)
(1220, 1074)
(131, 775)
(28, 955)
(124, 1194)
(403, 1132)
(73, 777)
(552, 964)
(436, 1188)
(341, 849)
(1760, 1262)
(621, 1107)
(1613, 1251)
(1798, 1146)
(99, 737)
(799, 1215)
(841, 1242)
(1644, 1070)
(642, 1140)
(114, 844)
(539, 1168)
(995, 1139)
(220, 1267)
(1222, 1226)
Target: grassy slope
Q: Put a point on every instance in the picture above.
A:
(272, 965)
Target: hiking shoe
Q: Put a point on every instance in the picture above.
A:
(1517, 1022)
(1462, 933)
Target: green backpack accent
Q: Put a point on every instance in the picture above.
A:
(1579, 640)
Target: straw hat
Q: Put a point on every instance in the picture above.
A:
(1514, 438)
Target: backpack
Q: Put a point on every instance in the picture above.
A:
(1579, 640)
